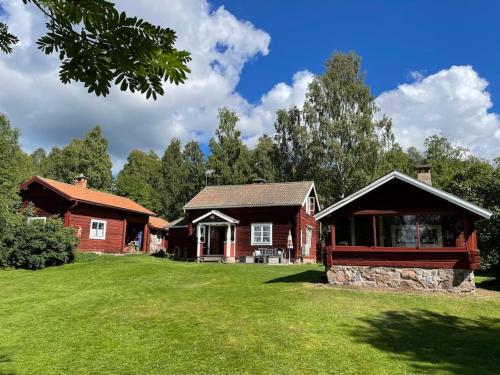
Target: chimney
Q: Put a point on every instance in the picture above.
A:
(81, 181)
(424, 173)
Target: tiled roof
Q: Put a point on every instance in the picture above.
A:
(158, 222)
(90, 196)
(251, 195)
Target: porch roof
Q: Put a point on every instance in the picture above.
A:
(219, 214)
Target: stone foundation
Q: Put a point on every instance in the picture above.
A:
(432, 280)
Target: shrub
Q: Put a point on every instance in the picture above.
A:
(38, 244)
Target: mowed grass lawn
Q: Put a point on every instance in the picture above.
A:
(143, 315)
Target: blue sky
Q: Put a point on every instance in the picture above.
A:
(394, 38)
(432, 66)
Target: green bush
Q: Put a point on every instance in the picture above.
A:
(38, 244)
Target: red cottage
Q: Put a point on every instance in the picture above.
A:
(231, 222)
(102, 221)
(399, 232)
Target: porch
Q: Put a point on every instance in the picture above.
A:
(215, 237)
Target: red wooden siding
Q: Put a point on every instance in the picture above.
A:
(284, 219)
(79, 216)
(399, 198)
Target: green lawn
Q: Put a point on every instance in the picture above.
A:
(143, 315)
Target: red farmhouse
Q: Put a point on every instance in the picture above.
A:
(232, 222)
(102, 221)
(399, 232)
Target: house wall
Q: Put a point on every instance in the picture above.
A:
(181, 244)
(284, 219)
(80, 219)
(79, 216)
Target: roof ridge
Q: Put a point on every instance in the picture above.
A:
(262, 184)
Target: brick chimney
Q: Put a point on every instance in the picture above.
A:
(424, 173)
(81, 181)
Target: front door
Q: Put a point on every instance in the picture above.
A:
(309, 233)
(217, 238)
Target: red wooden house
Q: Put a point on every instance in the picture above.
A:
(102, 221)
(400, 232)
(233, 221)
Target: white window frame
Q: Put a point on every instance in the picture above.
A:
(37, 218)
(311, 205)
(158, 238)
(253, 242)
(95, 237)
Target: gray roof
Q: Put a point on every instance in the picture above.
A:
(252, 195)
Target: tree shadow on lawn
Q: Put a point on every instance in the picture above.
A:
(5, 360)
(435, 342)
(309, 276)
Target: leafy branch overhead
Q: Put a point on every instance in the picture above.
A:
(99, 46)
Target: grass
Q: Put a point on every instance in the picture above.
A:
(144, 315)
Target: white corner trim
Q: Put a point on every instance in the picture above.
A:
(400, 176)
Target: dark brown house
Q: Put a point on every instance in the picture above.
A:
(233, 221)
(400, 232)
(103, 222)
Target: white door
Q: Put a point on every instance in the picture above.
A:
(309, 234)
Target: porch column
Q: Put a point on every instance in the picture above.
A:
(228, 241)
(198, 235)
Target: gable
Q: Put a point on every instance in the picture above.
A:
(397, 191)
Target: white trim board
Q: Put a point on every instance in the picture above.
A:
(402, 177)
(229, 219)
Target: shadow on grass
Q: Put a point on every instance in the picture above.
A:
(435, 342)
(4, 364)
(309, 276)
(493, 282)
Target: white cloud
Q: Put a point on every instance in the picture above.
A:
(50, 113)
(453, 102)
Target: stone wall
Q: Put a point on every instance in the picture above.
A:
(432, 280)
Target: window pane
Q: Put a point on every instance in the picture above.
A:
(354, 231)
(439, 230)
(397, 231)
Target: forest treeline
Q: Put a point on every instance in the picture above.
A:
(336, 138)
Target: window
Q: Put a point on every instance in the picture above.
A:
(158, 238)
(42, 219)
(310, 205)
(354, 231)
(97, 229)
(202, 233)
(262, 234)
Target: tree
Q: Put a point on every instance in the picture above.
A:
(347, 142)
(457, 171)
(38, 160)
(97, 45)
(229, 157)
(141, 180)
(194, 165)
(292, 158)
(261, 159)
(88, 156)
(174, 174)
(15, 165)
